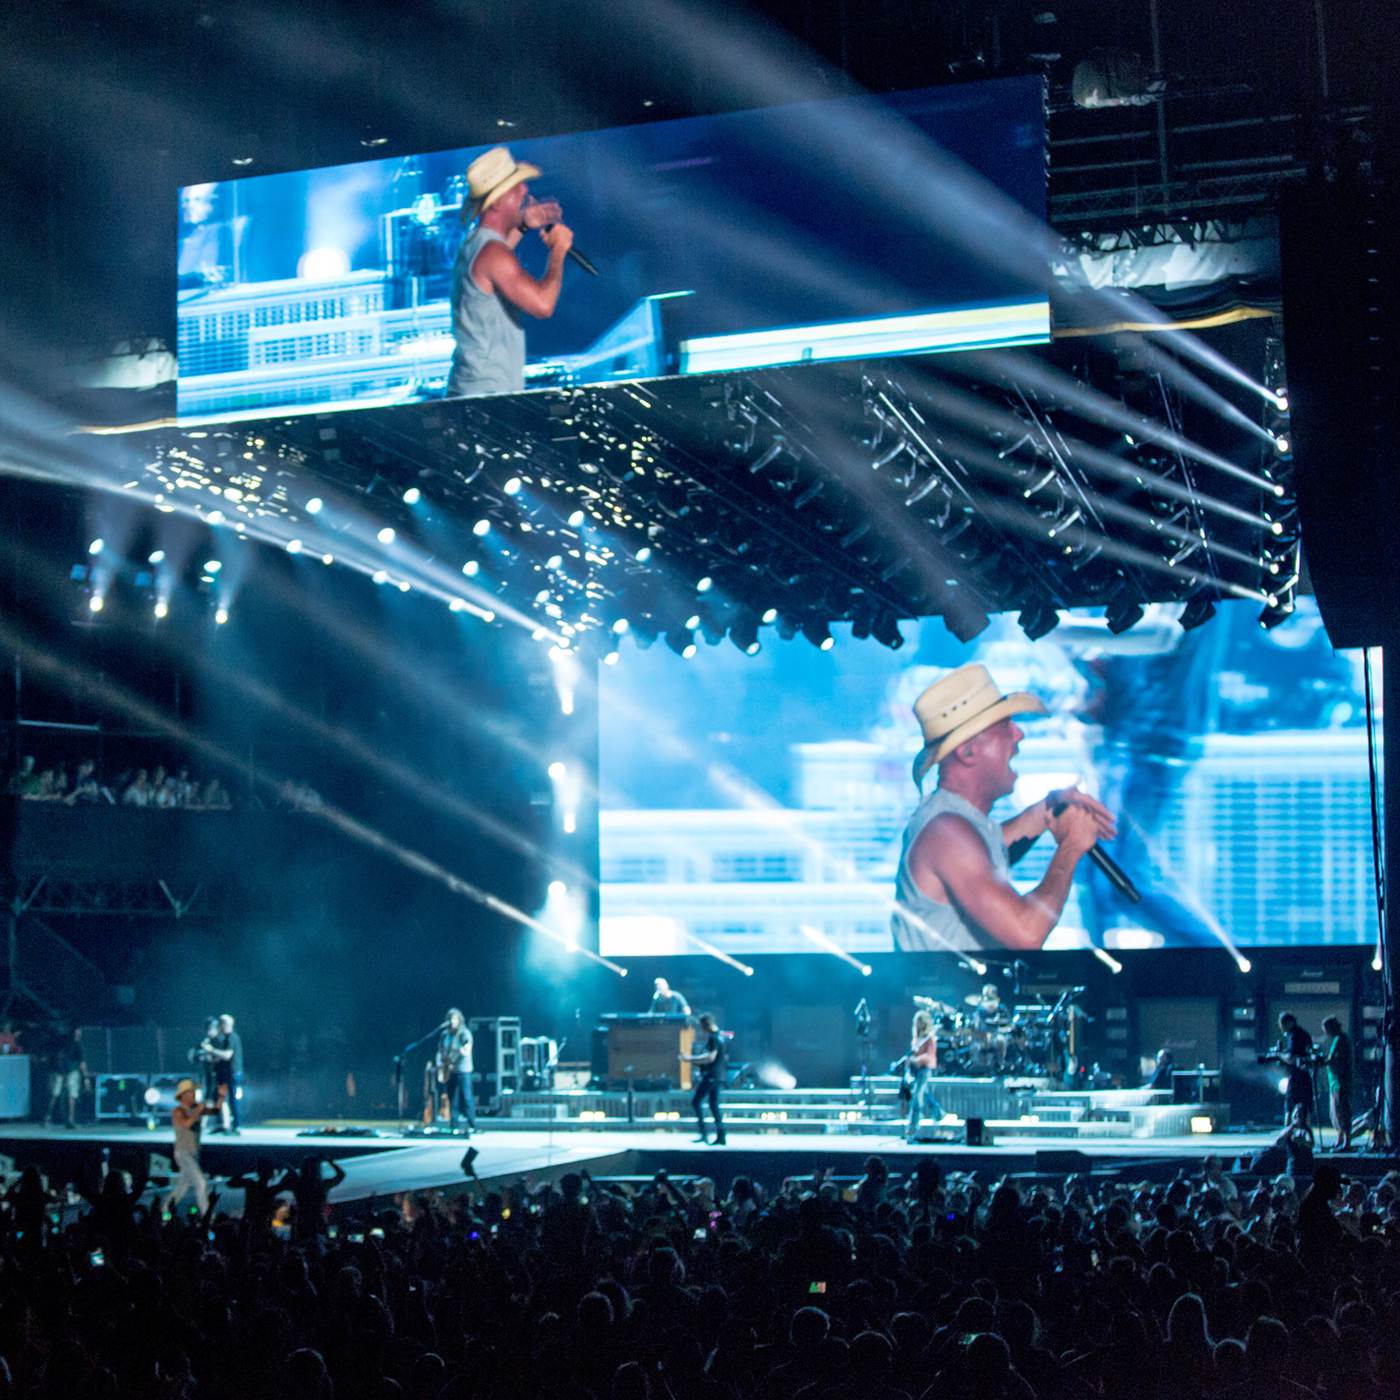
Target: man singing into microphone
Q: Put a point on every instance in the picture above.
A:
(953, 887)
(491, 291)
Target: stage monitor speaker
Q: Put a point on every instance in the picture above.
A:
(975, 1133)
(1060, 1162)
(1338, 246)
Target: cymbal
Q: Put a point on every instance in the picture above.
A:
(975, 999)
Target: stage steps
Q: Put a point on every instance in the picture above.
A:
(1008, 1109)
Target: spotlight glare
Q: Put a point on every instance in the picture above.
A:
(692, 622)
(481, 528)
(688, 651)
(380, 576)
(866, 970)
(212, 566)
(386, 535)
(162, 609)
(403, 585)
(704, 585)
(621, 626)
(828, 643)
(1281, 445)
(576, 518)
(644, 554)
(558, 771)
(612, 658)
(221, 616)
(293, 546)
(471, 568)
(512, 487)
(96, 603)
(313, 506)
(412, 496)
(328, 559)
(1376, 963)
(457, 605)
(1243, 963)
(96, 546)
(770, 617)
(158, 557)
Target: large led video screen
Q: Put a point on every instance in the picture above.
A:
(757, 804)
(843, 229)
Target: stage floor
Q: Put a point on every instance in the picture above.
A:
(380, 1165)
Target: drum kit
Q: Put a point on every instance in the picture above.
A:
(984, 1038)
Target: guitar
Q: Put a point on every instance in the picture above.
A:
(447, 1059)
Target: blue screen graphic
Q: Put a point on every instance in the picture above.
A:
(757, 804)
(828, 230)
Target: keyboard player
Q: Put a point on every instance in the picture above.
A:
(665, 1001)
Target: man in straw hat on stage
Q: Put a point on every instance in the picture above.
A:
(953, 889)
(490, 290)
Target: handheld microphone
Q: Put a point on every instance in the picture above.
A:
(583, 262)
(1112, 871)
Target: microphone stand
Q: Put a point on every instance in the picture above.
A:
(399, 1091)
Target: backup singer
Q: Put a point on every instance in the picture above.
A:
(710, 1058)
(491, 292)
(1336, 1058)
(923, 1060)
(454, 1069)
(953, 888)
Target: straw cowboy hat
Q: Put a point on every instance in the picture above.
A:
(186, 1086)
(489, 176)
(960, 705)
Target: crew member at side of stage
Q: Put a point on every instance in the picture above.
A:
(666, 1001)
(709, 1055)
(227, 1050)
(923, 1060)
(454, 1069)
(491, 291)
(1338, 1062)
(953, 887)
(1295, 1052)
(185, 1118)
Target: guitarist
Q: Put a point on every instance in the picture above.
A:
(1296, 1053)
(454, 1069)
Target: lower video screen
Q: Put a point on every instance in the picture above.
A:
(757, 804)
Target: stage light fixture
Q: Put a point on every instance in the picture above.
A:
(612, 658)
(386, 535)
(1038, 620)
(1282, 445)
(379, 576)
(212, 566)
(96, 603)
(96, 546)
(471, 568)
(162, 609)
(643, 555)
(576, 518)
(294, 546)
(692, 622)
(412, 496)
(313, 506)
(743, 632)
(1200, 607)
(819, 634)
(1122, 613)
(156, 557)
(620, 626)
(220, 616)
(770, 616)
(328, 559)
(512, 486)
(962, 616)
(558, 770)
(481, 529)
(885, 630)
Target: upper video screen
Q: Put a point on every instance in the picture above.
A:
(843, 229)
(758, 803)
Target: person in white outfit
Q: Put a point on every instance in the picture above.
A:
(186, 1118)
